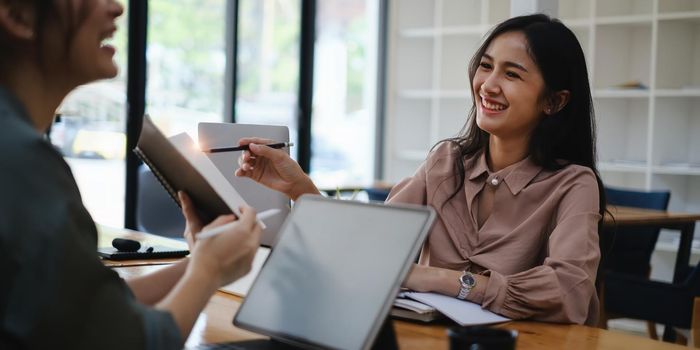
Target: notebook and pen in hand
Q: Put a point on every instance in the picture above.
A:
(179, 165)
(207, 176)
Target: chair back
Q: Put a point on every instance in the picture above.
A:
(156, 212)
(632, 247)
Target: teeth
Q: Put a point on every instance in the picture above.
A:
(106, 41)
(493, 106)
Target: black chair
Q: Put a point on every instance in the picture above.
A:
(156, 212)
(675, 305)
(630, 254)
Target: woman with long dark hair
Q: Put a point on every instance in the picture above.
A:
(55, 291)
(518, 196)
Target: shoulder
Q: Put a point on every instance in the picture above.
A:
(577, 187)
(577, 176)
(36, 182)
(443, 151)
(24, 149)
(443, 156)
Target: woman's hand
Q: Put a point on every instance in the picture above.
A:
(193, 224)
(273, 168)
(214, 262)
(228, 256)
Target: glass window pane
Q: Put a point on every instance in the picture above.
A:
(345, 84)
(268, 63)
(91, 135)
(186, 63)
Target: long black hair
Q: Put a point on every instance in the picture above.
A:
(567, 134)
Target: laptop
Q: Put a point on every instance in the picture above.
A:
(333, 275)
(214, 135)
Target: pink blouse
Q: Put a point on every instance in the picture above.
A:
(539, 246)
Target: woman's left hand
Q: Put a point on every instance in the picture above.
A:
(193, 224)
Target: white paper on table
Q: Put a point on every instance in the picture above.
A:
(243, 284)
(465, 313)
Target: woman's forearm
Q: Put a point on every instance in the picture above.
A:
(305, 187)
(188, 298)
(444, 281)
(153, 287)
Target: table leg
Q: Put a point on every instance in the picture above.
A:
(683, 257)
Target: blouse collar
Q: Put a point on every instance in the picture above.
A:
(522, 173)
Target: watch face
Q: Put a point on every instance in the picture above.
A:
(468, 279)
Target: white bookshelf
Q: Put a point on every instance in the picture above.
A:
(648, 137)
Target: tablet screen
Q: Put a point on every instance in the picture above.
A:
(334, 272)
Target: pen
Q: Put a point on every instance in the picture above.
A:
(217, 230)
(245, 147)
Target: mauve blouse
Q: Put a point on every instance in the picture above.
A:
(539, 246)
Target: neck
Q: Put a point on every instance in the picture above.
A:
(503, 153)
(36, 90)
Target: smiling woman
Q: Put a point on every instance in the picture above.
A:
(56, 293)
(518, 195)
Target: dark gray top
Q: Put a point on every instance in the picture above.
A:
(55, 292)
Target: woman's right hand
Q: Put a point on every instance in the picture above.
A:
(228, 256)
(273, 168)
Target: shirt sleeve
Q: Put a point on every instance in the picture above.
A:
(411, 190)
(562, 289)
(56, 293)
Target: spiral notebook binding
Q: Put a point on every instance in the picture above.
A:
(166, 185)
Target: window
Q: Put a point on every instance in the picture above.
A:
(186, 63)
(91, 135)
(268, 63)
(345, 90)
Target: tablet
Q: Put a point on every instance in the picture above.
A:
(334, 272)
(215, 135)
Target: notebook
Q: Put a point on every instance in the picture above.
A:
(158, 252)
(463, 312)
(409, 309)
(179, 165)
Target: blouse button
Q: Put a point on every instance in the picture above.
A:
(494, 181)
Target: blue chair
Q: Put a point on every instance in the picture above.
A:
(632, 247)
(377, 194)
(156, 212)
(630, 253)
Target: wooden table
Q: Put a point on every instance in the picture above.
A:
(683, 222)
(215, 326)
(215, 323)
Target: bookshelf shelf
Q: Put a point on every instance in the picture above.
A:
(648, 138)
(621, 93)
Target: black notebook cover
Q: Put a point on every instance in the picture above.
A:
(176, 173)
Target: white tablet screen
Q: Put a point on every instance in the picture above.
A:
(334, 272)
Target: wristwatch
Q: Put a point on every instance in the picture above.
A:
(467, 282)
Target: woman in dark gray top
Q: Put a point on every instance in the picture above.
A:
(55, 292)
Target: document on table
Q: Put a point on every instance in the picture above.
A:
(465, 313)
(241, 286)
